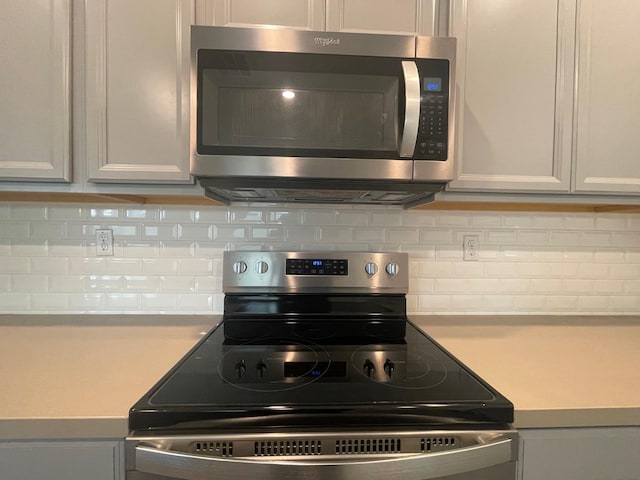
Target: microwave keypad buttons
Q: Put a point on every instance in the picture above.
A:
(432, 133)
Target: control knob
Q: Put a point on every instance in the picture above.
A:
(389, 367)
(240, 368)
(262, 266)
(392, 268)
(371, 268)
(240, 266)
(261, 367)
(369, 368)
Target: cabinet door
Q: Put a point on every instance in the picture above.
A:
(137, 90)
(299, 14)
(35, 90)
(514, 82)
(402, 17)
(608, 110)
(63, 460)
(580, 454)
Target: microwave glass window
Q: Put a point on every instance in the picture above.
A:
(299, 110)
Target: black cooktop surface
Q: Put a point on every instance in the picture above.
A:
(294, 373)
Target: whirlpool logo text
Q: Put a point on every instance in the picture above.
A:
(326, 41)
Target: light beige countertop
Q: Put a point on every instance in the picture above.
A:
(77, 376)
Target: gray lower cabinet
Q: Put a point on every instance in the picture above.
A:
(600, 453)
(62, 460)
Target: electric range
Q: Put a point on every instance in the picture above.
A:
(314, 370)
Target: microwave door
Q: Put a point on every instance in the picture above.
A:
(412, 109)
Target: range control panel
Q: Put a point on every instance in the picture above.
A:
(357, 272)
(317, 266)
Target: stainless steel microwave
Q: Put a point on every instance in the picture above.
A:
(285, 115)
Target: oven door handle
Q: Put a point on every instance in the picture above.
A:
(411, 109)
(187, 466)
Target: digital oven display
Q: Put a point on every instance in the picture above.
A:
(432, 84)
(317, 266)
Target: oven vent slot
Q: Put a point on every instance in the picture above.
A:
(369, 445)
(222, 449)
(435, 444)
(287, 447)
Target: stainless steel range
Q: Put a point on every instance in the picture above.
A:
(316, 372)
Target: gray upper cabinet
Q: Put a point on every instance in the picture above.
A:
(403, 17)
(607, 131)
(137, 90)
(299, 14)
(35, 90)
(514, 94)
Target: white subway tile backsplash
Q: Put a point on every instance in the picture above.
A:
(48, 302)
(106, 213)
(284, 217)
(5, 211)
(81, 264)
(466, 303)
(195, 266)
(121, 302)
(483, 285)
(29, 283)
(352, 218)
(50, 265)
(449, 285)
(159, 266)
(318, 217)
(631, 239)
(436, 237)
(177, 284)
(169, 259)
(14, 265)
(15, 230)
(580, 222)
(611, 222)
(596, 239)
(50, 231)
(533, 237)
(548, 221)
(302, 234)
(103, 283)
(122, 266)
(34, 248)
(593, 303)
(142, 283)
(28, 212)
(15, 302)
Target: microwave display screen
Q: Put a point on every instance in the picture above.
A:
(432, 84)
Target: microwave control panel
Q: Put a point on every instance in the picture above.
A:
(433, 128)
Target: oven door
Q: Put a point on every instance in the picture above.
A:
(486, 456)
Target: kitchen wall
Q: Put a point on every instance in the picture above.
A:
(168, 259)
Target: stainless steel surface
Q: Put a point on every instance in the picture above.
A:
(301, 167)
(301, 41)
(266, 273)
(353, 455)
(246, 175)
(411, 109)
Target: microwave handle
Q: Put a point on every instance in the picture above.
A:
(411, 109)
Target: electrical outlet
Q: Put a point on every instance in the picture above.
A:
(104, 242)
(470, 245)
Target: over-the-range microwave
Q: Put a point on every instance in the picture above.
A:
(284, 115)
